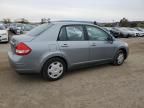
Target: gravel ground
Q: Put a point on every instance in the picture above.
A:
(103, 86)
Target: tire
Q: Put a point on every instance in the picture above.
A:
(119, 58)
(122, 35)
(128, 36)
(54, 69)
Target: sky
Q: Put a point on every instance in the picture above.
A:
(86, 10)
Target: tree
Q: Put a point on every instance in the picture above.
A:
(133, 24)
(108, 25)
(124, 22)
(95, 23)
(6, 20)
(140, 25)
(45, 20)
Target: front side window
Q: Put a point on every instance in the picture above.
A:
(75, 33)
(96, 34)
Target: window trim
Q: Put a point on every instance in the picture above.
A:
(84, 32)
(97, 28)
(58, 38)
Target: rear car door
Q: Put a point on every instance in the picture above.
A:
(73, 44)
(100, 47)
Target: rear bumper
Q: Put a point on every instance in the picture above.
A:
(19, 67)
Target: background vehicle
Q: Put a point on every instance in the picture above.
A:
(3, 34)
(51, 49)
(116, 32)
(135, 31)
(126, 32)
(108, 29)
(141, 31)
(16, 29)
(27, 27)
(112, 30)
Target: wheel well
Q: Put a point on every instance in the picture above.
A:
(125, 52)
(55, 57)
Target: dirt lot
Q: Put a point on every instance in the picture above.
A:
(104, 86)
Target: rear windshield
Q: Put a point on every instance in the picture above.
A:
(39, 30)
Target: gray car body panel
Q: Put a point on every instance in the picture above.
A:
(46, 46)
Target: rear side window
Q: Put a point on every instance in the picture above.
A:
(75, 33)
(72, 33)
(39, 30)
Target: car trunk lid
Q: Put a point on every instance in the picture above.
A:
(17, 39)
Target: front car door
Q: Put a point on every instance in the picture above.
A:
(100, 47)
(73, 44)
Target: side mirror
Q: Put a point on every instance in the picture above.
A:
(110, 38)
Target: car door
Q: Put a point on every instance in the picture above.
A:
(101, 48)
(73, 44)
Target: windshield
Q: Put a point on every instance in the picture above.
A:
(131, 29)
(124, 29)
(40, 29)
(140, 29)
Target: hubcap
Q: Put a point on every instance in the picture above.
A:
(55, 69)
(120, 58)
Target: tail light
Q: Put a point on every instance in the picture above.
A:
(22, 49)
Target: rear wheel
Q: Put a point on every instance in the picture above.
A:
(119, 58)
(54, 69)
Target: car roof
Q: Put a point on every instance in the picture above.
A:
(71, 23)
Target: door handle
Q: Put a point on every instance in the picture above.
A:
(64, 45)
(93, 44)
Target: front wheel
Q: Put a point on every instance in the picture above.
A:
(54, 69)
(119, 58)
